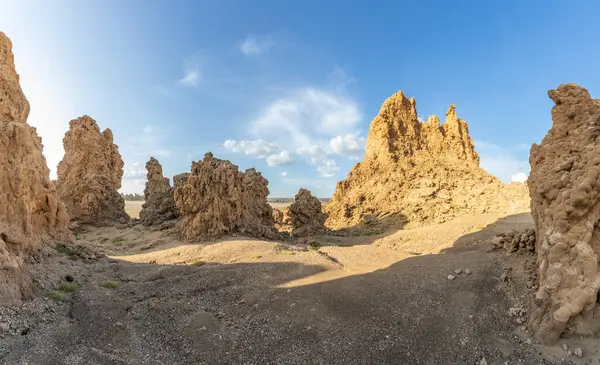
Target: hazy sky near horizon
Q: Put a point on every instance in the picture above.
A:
(291, 87)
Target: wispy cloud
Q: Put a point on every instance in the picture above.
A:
(254, 45)
(315, 124)
(149, 142)
(505, 162)
(284, 173)
(191, 78)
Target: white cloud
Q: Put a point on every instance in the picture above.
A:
(306, 115)
(309, 122)
(314, 153)
(256, 45)
(134, 171)
(503, 162)
(256, 148)
(284, 173)
(519, 177)
(191, 78)
(280, 159)
(328, 168)
(349, 145)
(133, 186)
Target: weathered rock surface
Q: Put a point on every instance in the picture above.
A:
(565, 205)
(31, 214)
(159, 205)
(282, 219)
(89, 176)
(181, 179)
(218, 199)
(419, 172)
(516, 240)
(306, 215)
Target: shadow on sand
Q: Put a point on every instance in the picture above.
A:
(407, 313)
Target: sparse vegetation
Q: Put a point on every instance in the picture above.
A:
(117, 241)
(56, 295)
(198, 263)
(68, 287)
(64, 249)
(256, 257)
(111, 284)
(287, 252)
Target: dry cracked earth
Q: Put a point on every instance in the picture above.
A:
(431, 295)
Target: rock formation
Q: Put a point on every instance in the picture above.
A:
(181, 179)
(565, 205)
(31, 214)
(306, 215)
(282, 219)
(218, 199)
(418, 172)
(516, 240)
(159, 205)
(90, 175)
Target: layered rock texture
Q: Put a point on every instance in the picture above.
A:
(565, 205)
(181, 179)
(31, 214)
(282, 219)
(89, 176)
(218, 199)
(159, 205)
(418, 172)
(306, 215)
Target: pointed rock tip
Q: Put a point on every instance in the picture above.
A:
(451, 109)
(569, 93)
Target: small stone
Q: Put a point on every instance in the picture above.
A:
(529, 342)
(457, 271)
(565, 347)
(451, 277)
(69, 278)
(468, 272)
(569, 353)
(578, 352)
(483, 362)
(4, 327)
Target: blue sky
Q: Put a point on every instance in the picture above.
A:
(291, 87)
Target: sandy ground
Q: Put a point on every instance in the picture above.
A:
(381, 299)
(133, 208)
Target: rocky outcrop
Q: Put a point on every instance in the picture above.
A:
(517, 240)
(306, 215)
(89, 176)
(218, 199)
(31, 214)
(565, 205)
(159, 205)
(282, 219)
(418, 172)
(181, 179)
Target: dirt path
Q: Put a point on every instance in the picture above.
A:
(365, 300)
